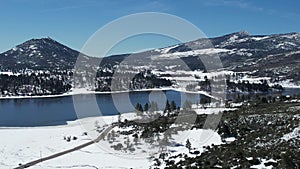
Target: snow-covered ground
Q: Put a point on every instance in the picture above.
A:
(176, 55)
(213, 108)
(21, 145)
(292, 135)
(262, 165)
(288, 84)
(9, 73)
(198, 138)
(77, 91)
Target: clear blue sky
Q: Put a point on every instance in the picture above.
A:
(72, 22)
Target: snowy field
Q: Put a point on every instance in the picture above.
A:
(22, 145)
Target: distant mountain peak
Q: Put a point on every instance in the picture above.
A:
(244, 32)
(40, 41)
(41, 53)
(240, 34)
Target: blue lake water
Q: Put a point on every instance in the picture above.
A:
(58, 110)
(291, 91)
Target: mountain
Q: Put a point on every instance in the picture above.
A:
(44, 54)
(245, 50)
(263, 55)
(236, 50)
(275, 56)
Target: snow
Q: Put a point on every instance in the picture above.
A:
(282, 45)
(262, 164)
(260, 38)
(86, 90)
(190, 75)
(230, 139)
(249, 158)
(288, 84)
(165, 50)
(78, 91)
(25, 144)
(253, 80)
(197, 137)
(295, 134)
(239, 52)
(293, 101)
(183, 78)
(9, 73)
(201, 137)
(171, 67)
(212, 110)
(94, 157)
(33, 47)
(21, 145)
(190, 53)
(291, 36)
(242, 40)
(232, 38)
(236, 104)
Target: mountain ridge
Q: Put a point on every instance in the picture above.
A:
(242, 33)
(238, 51)
(46, 67)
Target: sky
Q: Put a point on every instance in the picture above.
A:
(72, 22)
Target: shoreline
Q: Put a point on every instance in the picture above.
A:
(83, 92)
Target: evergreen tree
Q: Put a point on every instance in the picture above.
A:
(139, 108)
(173, 105)
(164, 142)
(108, 136)
(135, 139)
(167, 107)
(146, 107)
(188, 145)
(119, 117)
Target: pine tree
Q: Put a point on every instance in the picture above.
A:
(139, 108)
(173, 105)
(146, 107)
(108, 136)
(167, 107)
(119, 117)
(203, 101)
(188, 145)
(136, 140)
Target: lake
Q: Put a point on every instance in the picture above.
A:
(58, 110)
(27, 112)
